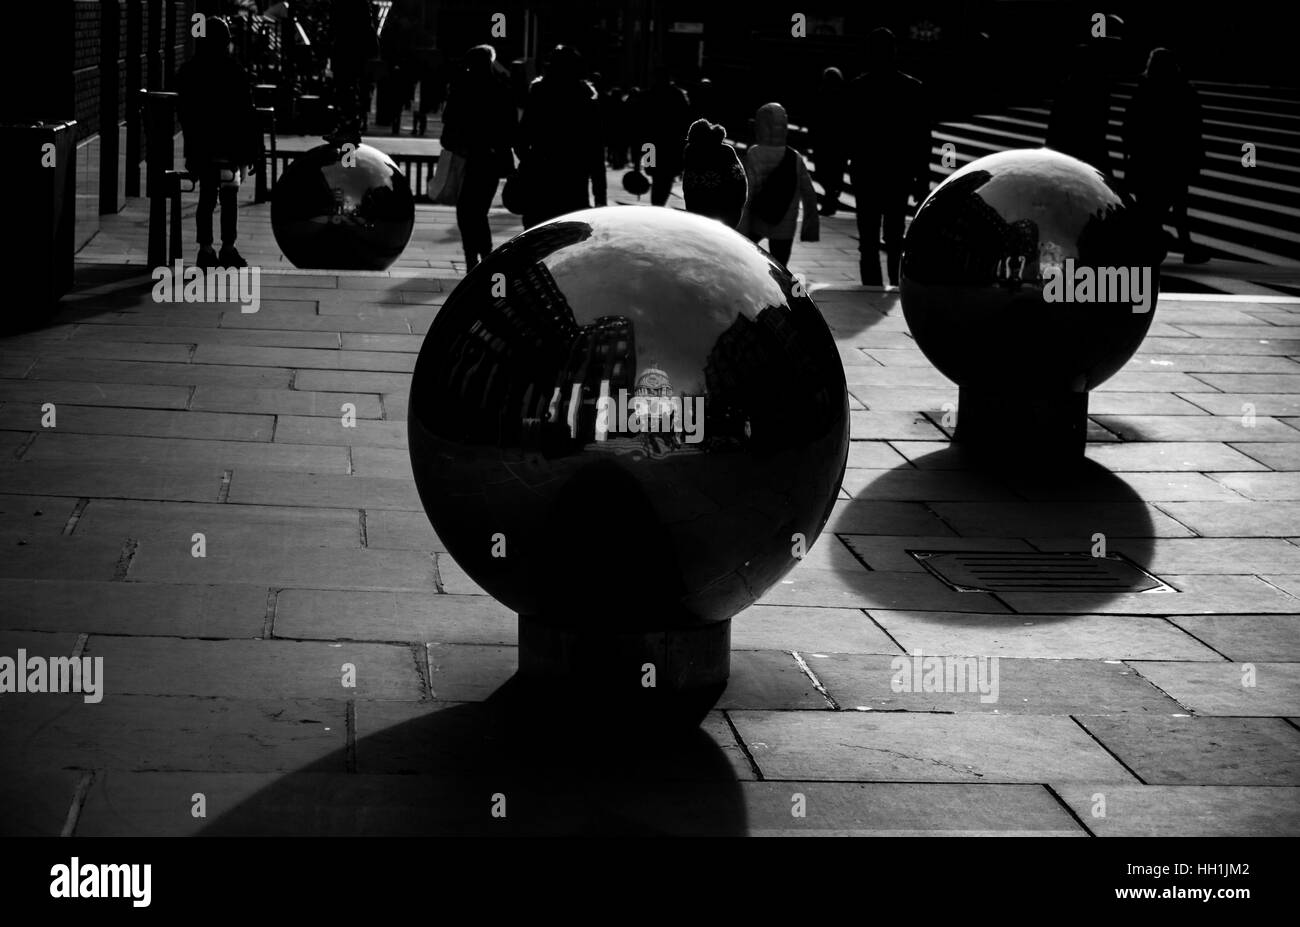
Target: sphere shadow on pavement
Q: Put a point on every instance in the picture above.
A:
(508, 766)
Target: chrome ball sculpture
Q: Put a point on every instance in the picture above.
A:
(624, 424)
(1028, 279)
(342, 207)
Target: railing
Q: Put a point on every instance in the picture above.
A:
(418, 169)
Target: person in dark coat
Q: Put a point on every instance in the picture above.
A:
(612, 115)
(663, 120)
(713, 179)
(353, 44)
(561, 152)
(222, 137)
(433, 83)
(1164, 149)
(397, 46)
(1080, 115)
(830, 135)
(479, 124)
(883, 174)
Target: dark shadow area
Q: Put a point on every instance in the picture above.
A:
(559, 773)
(1059, 507)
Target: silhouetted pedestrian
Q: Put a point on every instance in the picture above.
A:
(353, 45)
(830, 135)
(222, 137)
(433, 84)
(778, 182)
(663, 120)
(1080, 117)
(890, 159)
(397, 46)
(1164, 149)
(613, 117)
(713, 179)
(562, 152)
(479, 124)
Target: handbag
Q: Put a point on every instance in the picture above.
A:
(635, 182)
(444, 189)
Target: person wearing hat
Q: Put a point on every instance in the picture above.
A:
(713, 180)
(778, 183)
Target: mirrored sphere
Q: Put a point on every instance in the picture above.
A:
(1026, 270)
(342, 208)
(622, 418)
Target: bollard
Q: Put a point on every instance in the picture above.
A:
(266, 126)
(173, 180)
(160, 121)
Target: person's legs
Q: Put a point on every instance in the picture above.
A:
(478, 186)
(868, 216)
(229, 197)
(831, 174)
(894, 210)
(780, 249)
(208, 183)
(661, 186)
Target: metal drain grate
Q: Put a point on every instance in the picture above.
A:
(1023, 571)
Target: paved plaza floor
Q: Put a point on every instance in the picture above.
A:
(1118, 713)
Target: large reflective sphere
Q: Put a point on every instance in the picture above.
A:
(1026, 271)
(342, 208)
(621, 418)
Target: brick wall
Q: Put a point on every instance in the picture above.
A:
(85, 66)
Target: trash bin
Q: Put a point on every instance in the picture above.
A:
(37, 237)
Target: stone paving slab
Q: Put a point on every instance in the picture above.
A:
(331, 614)
(904, 809)
(1241, 690)
(1039, 637)
(176, 733)
(1010, 686)
(181, 483)
(1199, 594)
(224, 526)
(1231, 555)
(919, 747)
(1183, 811)
(834, 630)
(111, 451)
(119, 608)
(1246, 637)
(184, 374)
(1181, 750)
(234, 669)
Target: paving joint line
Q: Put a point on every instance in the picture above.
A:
(1069, 810)
(78, 801)
(268, 617)
(25, 444)
(124, 559)
(1132, 772)
(883, 629)
(350, 728)
(71, 524)
(437, 574)
(1173, 624)
(817, 683)
(744, 747)
(420, 652)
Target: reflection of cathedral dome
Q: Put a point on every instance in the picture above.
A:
(652, 382)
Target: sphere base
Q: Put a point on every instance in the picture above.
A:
(668, 677)
(1018, 424)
